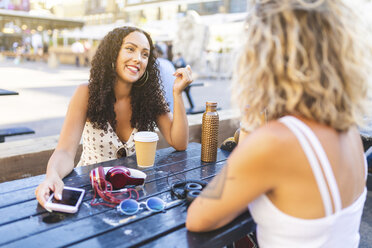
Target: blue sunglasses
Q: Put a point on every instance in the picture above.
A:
(130, 206)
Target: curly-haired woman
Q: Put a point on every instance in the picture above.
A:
(303, 174)
(124, 95)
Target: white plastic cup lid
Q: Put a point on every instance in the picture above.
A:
(146, 136)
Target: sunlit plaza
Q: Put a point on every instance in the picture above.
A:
(46, 53)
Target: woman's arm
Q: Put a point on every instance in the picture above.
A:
(61, 163)
(246, 175)
(175, 129)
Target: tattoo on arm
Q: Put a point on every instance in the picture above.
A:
(215, 188)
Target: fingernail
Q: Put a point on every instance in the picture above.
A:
(59, 196)
(47, 209)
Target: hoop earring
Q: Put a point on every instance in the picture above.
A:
(113, 66)
(144, 78)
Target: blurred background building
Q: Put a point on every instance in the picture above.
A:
(206, 29)
(31, 23)
(203, 32)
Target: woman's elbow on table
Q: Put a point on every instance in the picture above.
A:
(179, 144)
(181, 147)
(199, 224)
(194, 225)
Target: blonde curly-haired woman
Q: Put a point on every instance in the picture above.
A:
(303, 174)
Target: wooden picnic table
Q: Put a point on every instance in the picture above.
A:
(7, 92)
(24, 223)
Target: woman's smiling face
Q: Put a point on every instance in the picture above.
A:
(133, 57)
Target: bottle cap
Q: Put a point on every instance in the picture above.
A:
(211, 104)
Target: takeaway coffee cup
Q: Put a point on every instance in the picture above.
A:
(145, 143)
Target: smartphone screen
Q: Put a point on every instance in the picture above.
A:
(69, 197)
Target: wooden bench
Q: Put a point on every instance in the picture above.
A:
(9, 54)
(37, 151)
(32, 56)
(27, 56)
(14, 131)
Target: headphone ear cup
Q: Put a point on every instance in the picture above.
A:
(193, 186)
(120, 168)
(117, 176)
(191, 195)
(201, 182)
(181, 189)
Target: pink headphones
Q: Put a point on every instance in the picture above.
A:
(115, 178)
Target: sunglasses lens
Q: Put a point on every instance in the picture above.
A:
(121, 152)
(129, 206)
(155, 204)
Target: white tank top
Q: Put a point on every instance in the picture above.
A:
(338, 229)
(100, 145)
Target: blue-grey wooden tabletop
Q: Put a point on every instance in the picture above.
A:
(24, 223)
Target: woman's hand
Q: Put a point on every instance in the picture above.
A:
(53, 183)
(183, 79)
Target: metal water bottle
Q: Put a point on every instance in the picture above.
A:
(209, 137)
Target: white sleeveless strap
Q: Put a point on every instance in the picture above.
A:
(324, 162)
(322, 186)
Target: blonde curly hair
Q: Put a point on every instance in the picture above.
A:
(303, 57)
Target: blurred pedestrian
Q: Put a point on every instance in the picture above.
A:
(78, 49)
(15, 46)
(169, 50)
(45, 51)
(87, 47)
(179, 61)
(167, 70)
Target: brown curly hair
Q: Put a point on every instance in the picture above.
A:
(147, 99)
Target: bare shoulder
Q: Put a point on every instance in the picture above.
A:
(265, 148)
(81, 93)
(82, 90)
(79, 100)
(267, 139)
